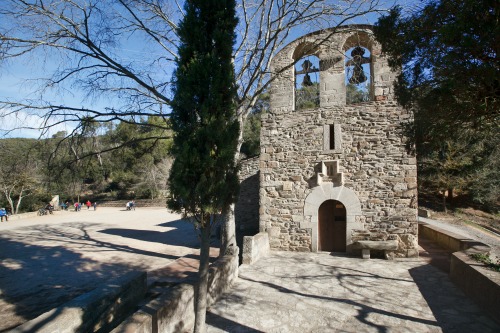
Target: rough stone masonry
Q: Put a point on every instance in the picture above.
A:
(337, 173)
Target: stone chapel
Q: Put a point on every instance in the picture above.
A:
(334, 167)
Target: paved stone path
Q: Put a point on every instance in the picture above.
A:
(46, 261)
(306, 292)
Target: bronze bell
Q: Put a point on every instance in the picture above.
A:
(358, 75)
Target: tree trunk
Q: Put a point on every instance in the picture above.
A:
(228, 235)
(19, 200)
(450, 194)
(9, 199)
(444, 202)
(201, 297)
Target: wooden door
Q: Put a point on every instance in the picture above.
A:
(332, 227)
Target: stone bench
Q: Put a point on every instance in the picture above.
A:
(366, 246)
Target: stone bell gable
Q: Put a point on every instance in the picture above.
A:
(333, 172)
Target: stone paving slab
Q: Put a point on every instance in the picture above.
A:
(46, 261)
(320, 292)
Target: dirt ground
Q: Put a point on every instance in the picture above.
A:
(48, 260)
(472, 217)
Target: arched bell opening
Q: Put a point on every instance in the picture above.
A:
(307, 77)
(358, 68)
(358, 75)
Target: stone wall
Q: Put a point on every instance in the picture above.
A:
(473, 278)
(368, 169)
(96, 311)
(255, 247)
(162, 202)
(247, 208)
(173, 310)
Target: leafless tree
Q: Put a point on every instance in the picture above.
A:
(19, 177)
(154, 177)
(122, 52)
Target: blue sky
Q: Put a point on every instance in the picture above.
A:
(15, 84)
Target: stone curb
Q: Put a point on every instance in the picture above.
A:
(96, 311)
(476, 281)
(173, 309)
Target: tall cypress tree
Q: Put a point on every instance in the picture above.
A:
(203, 179)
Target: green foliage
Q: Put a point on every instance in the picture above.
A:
(307, 97)
(145, 148)
(122, 161)
(486, 260)
(251, 130)
(251, 135)
(355, 94)
(485, 184)
(20, 172)
(447, 55)
(203, 178)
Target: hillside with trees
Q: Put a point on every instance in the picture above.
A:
(126, 160)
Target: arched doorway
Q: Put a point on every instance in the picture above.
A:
(332, 229)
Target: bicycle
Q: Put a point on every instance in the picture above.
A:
(44, 211)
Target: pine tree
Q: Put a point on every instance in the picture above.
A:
(203, 179)
(447, 56)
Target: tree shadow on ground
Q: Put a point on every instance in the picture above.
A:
(228, 325)
(445, 301)
(313, 271)
(182, 233)
(434, 254)
(52, 268)
(363, 310)
(35, 279)
(82, 239)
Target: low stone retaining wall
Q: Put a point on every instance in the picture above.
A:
(138, 203)
(173, 310)
(255, 247)
(446, 239)
(476, 281)
(424, 212)
(22, 216)
(96, 311)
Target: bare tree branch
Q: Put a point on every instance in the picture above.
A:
(124, 51)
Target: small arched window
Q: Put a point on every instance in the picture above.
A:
(358, 74)
(307, 83)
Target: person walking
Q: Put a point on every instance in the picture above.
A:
(88, 204)
(95, 205)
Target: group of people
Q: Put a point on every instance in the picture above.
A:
(49, 207)
(78, 205)
(130, 205)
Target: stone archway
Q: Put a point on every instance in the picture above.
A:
(332, 227)
(326, 192)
